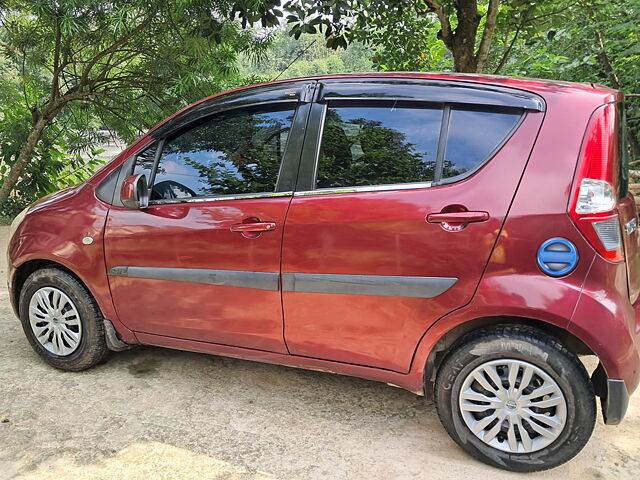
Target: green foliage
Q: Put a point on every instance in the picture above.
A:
(290, 58)
(121, 66)
(65, 155)
(591, 41)
(409, 34)
(402, 34)
(71, 66)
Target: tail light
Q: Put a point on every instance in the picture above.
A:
(593, 208)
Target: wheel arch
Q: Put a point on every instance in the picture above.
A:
(27, 268)
(451, 337)
(117, 333)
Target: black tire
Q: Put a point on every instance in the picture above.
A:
(92, 348)
(534, 347)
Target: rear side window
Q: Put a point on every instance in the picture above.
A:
(232, 153)
(378, 145)
(473, 136)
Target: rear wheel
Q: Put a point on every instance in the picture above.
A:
(62, 320)
(515, 398)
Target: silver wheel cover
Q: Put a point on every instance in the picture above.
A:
(513, 405)
(55, 321)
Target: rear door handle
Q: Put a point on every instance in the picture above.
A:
(458, 217)
(253, 227)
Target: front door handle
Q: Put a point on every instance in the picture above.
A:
(458, 217)
(253, 227)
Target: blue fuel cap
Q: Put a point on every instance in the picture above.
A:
(557, 257)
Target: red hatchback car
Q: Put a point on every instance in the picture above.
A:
(462, 237)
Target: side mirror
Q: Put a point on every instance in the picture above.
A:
(134, 193)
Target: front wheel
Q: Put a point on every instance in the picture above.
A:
(515, 398)
(62, 320)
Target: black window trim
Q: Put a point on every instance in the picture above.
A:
(156, 160)
(430, 90)
(309, 184)
(297, 173)
(297, 92)
(288, 166)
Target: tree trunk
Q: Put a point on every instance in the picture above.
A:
(23, 158)
(487, 35)
(463, 59)
(463, 39)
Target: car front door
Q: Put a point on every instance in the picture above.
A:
(400, 199)
(202, 262)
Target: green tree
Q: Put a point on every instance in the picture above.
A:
(596, 41)
(74, 58)
(576, 40)
(465, 27)
(287, 57)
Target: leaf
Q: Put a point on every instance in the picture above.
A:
(308, 28)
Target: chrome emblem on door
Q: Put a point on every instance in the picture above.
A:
(631, 226)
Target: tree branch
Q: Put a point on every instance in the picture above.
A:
(445, 25)
(487, 35)
(113, 47)
(605, 63)
(505, 56)
(11, 49)
(55, 81)
(114, 111)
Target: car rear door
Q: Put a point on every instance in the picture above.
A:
(186, 266)
(403, 188)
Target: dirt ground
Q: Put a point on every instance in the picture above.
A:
(152, 413)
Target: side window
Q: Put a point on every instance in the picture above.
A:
(235, 152)
(143, 162)
(473, 135)
(378, 146)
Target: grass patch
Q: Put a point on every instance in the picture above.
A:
(5, 220)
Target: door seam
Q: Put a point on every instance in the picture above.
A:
(286, 215)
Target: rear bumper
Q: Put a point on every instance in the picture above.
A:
(606, 321)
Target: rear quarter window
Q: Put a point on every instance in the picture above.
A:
(474, 135)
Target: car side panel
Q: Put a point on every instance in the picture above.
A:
(54, 230)
(514, 286)
(385, 234)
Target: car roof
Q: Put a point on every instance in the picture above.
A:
(517, 82)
